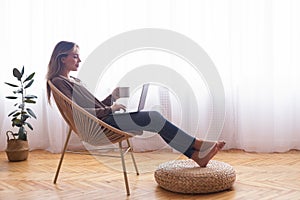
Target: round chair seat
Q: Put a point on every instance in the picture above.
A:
(185, 176)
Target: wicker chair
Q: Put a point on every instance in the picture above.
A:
(91, 130)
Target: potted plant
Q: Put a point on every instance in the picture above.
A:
(17, 143)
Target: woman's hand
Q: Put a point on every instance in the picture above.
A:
(117, 107)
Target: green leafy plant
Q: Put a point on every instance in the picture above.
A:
(22, 113)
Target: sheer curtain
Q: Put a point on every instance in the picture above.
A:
(253, 43)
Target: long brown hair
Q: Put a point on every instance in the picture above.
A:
(55, 66)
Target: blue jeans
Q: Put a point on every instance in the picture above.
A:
(154, 122)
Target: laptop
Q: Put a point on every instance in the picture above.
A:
(142, 100)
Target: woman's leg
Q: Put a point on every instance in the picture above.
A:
(175, 137)
(154, 122)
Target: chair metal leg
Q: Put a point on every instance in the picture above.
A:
(124, 168)
(133, 159)
(62, 155)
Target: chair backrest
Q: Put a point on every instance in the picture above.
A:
(89, 128)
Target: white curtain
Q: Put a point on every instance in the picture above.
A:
(253, 43)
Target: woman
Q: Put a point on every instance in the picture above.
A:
(65, 58)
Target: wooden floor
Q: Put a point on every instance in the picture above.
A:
(259, 176)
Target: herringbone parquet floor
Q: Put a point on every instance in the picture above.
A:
(273, 176)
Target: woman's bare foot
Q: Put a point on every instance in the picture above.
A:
(202, 161)
(208, 151)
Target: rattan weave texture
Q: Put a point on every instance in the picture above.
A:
(185, 176)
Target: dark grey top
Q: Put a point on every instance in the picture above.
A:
(84, 98)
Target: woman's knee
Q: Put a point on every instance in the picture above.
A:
(156, 115)
(157, 118)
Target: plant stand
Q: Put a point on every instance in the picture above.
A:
(17, 150)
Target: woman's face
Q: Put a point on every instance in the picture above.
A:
(71, 62)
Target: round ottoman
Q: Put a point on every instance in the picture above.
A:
(185, 176)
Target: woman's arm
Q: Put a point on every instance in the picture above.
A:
(108, 100)
(113, 97)
(83, 98)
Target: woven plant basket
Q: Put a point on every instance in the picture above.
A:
(16, 150)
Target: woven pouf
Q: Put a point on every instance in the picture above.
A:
(185, 176)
